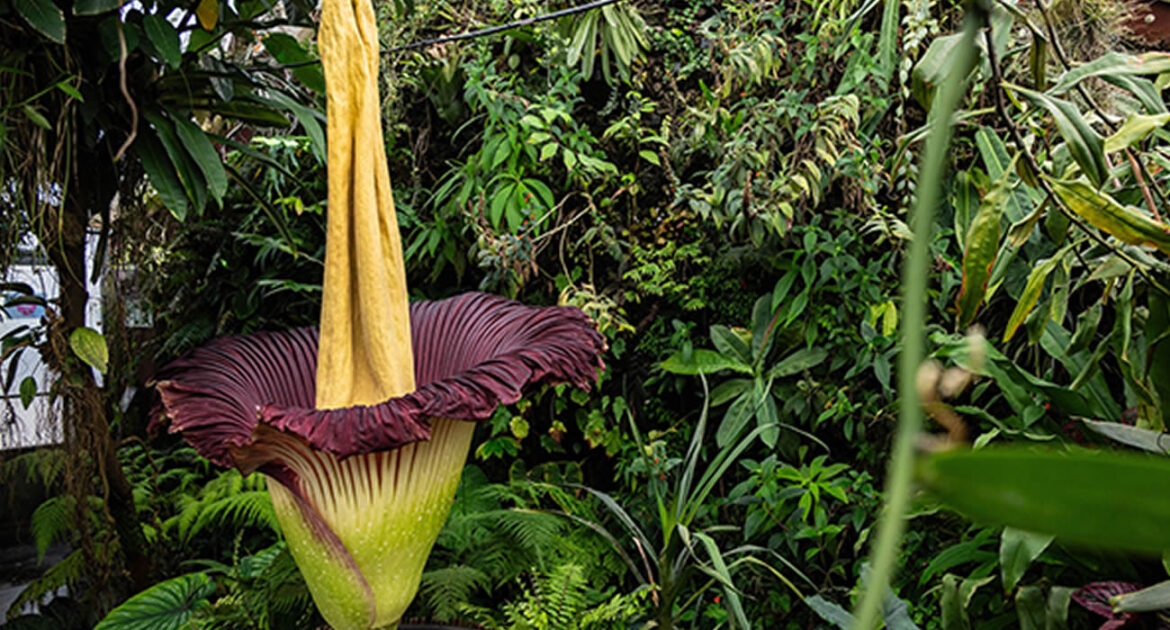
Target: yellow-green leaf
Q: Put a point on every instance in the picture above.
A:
(90, 346)
(1031, 293)
(1135, 129)
(1125, 224)
(982, 245)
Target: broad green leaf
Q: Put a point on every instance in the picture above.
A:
(730, 344)
(828, 611)
(1021, 230)
(956, 597)
(1135, 129)
(982, 246)
(1031, 609)
(729, 389)
(287, 50)
(164, 38)
(1017, 550)
(1145, 439)
(736, 418)
(90, 346)
(44, 16)
(167, 605)
(1158, 350)
(1056, 610)
(205, 156)
(1031, 292)
(94, 7)
(28, 391)
(1149, 599)
(703, 361)
(1105, 499)
(933, 68)
(763, 327)
(1084, 143)
(1102, 211)
(1113, 64)
(189, 174)
(162, 175)
(797, 362)
(998, 162)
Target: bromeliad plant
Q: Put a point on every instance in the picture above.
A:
(364, 428)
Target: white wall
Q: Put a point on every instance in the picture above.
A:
(39, 424)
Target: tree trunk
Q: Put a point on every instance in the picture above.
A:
(83, 413)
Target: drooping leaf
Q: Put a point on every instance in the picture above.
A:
(982, 247)
(1113, 64)
(798, 362)
(94, 7)
(44, 16)
(1103, 212)
(1145, 439)
(167, 605)
(1031, 292)
(90, 346)
(164, 38)
(730, 344)
(703, 361)
(1135, 129)
(205, 156)
(1017, 550)
(1084, 143)
(1093, 499)
(287, 50)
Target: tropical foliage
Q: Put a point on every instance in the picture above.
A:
(727, 189)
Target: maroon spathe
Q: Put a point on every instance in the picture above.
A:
(472, 353)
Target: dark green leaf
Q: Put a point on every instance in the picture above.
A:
(287, 50)
(798, 362)
(703, 361)
(44, 16)
(167, 605)
(162, 174)
(94, 7)
(1097, 499)
(204, 155)
(730, 344)
(1084, 143)
(164, 38)
(28, 391)
(1017, 550)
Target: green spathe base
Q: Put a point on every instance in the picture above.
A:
(362, 533)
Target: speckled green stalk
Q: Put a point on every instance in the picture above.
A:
(379, 515)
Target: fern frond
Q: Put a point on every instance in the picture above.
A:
(252, 508)
(51, 522)
(447, 588)
(66, 573)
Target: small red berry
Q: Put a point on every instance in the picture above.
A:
(717, 599)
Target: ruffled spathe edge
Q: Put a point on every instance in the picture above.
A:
(472, 353)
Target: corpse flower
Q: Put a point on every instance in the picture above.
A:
(363, 429)
(362, 492)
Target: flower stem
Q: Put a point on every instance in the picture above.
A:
(914, 280)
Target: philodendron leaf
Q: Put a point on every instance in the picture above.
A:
(1125, 224)
(703, 361)
(1085, 144)
(982, 246)
(1017, 550)
(1135, 129)
(167, 605)
(1093, 499)
(90, 346)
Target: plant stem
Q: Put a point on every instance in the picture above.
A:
(914, 280)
